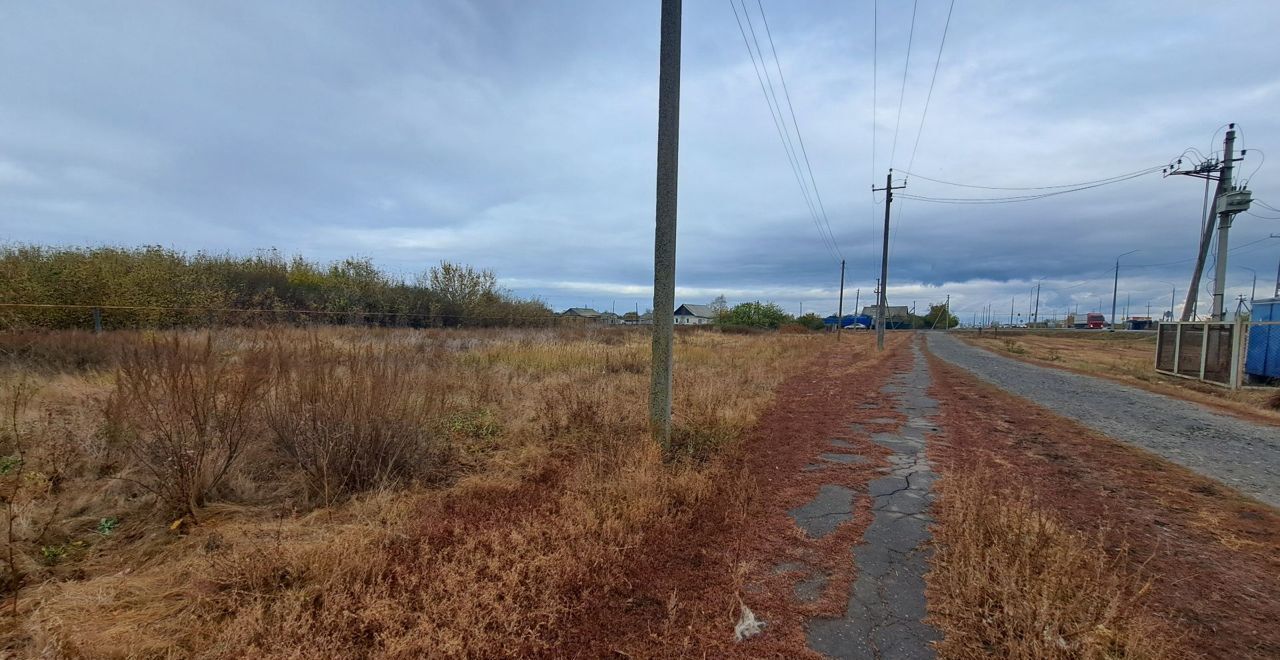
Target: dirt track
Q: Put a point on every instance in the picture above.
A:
(1241, 454)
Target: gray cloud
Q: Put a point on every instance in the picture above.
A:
(520, 137)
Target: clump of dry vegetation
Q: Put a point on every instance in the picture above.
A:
(354, 492)
(184, 412)
(1008, 580)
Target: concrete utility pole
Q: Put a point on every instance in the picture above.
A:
(1036, 317)
(1225, 216)
(1115, 290)
(884, 258)
(664, 244)
(1224, 184)
(1011, 301)
(857, 299)
(840, 307)
(947, 309)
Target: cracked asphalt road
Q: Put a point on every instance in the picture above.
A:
(1239, 453)
(884, 617)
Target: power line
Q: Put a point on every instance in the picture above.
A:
(775, 113)
(929, 97)
(1246, 181)
(1117, 177)
(1024, 198)
(945, 27)
(787, 94)
(902, 93)
(875, 66)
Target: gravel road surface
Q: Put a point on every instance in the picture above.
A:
(1239, 453)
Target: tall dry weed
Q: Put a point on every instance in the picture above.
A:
(354, 419)
(184, 411)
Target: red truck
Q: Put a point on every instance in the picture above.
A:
(1095, 321)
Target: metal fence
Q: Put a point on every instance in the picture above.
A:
(1206, 351)
(1227, 353)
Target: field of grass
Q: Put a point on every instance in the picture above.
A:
(343, 492)
(1127, 358)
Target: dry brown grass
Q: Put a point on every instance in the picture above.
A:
(1009, 581)
(1126, 358)
(549, 493)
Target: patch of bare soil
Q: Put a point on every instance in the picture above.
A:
(1212, 556)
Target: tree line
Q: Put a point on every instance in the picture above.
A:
(771, 315)
(152, 286)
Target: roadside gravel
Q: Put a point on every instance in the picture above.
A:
(1241, 454)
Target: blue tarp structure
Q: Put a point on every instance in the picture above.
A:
(1263, 357)
(849, 320)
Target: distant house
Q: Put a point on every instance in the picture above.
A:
(895, 317)
(694, 315)
(610, 318)
(581, 313)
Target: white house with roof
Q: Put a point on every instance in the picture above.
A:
(694, 315)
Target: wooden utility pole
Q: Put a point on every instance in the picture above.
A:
(884, 258)
(664, 244)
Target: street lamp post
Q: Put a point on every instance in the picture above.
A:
(1115, 289)
(1254, 289)
(1173, 297)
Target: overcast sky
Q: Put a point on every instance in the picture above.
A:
(520, 137)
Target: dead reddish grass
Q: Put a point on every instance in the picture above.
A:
(1211, 555)
(561, 531)
(687, 588)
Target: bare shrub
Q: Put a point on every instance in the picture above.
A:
(354, 419)
(183, 411)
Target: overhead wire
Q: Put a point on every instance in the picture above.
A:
(875, 67)
(1246, 181)
(1025, 198)
(928, 97)
(903, 91)
(775, 113)
(799, 136)
(1145, 170)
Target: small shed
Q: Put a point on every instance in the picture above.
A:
(1262, 361)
